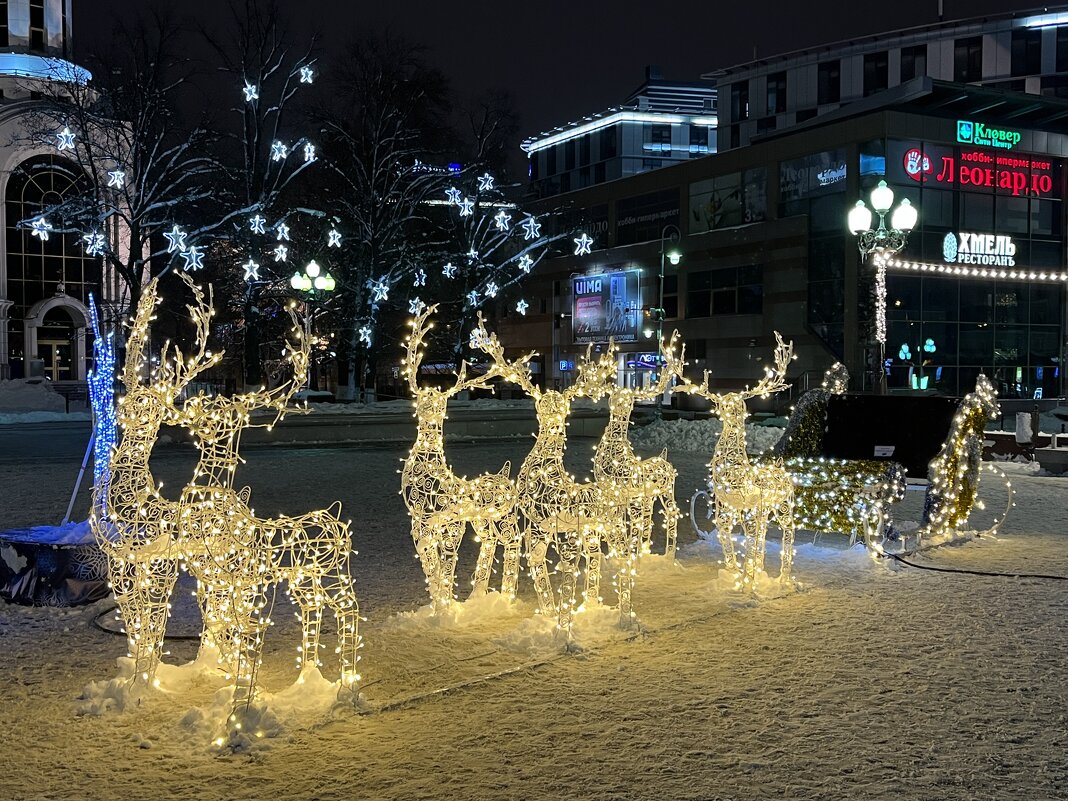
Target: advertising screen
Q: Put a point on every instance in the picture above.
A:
(606, 306)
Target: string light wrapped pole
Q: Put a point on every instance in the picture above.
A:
(883, 243)
(315, 285)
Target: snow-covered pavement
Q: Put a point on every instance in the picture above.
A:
(870, 683)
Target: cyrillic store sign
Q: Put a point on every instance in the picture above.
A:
(989, 250)
(975, 133)
(606, 306)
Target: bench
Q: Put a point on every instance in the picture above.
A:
(851, 456)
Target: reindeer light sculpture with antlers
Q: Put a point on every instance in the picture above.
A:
(746, 494)
(439, 502)
(645, 482)
(559, 511)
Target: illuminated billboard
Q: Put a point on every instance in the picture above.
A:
(606, 306)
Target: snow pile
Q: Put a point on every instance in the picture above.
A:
(699, 435)
(30, 395)
(80, 533)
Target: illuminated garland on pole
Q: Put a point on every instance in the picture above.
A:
(440, 503)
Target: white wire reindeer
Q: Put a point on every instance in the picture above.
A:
(442, 504)
(645, 482)
(746, 494)
(575, 517)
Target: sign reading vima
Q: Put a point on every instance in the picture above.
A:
(606, 306)
(975, 133)
(986, 249)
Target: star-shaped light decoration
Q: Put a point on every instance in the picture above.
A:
(333, 238)
(531, 228)
(476, 340)
(40, 228)
(449, 270)
(453, 195)
(472, 254)
(309, 152)
(492, 289)
(472, 297)
(365, 335)
(503, 220)
(583, 244)
(415, 305)
(379, 290)
(281, 253)
(420, 277)
(485, 182)
(95, 244)
(252, 270)
(116, 179)
(522, 307)
(307, 74)
(193, 258)
(278, 151)
(175, 239)
(257, 224)
(467, 207)
(282, 231)
(65, 139)
(252, 92)
(526, 263)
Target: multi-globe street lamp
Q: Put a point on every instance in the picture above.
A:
(672, 234)
(884, 242)
(314, 284)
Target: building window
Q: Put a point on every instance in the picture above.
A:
(1062, 48)
(765, 124)
(37, 25)
(608, 142)
(968, 59)
(739, 101)
(730, 290)
(698, 140)
(569, 154)
(3, 23)
(829, 82)
(913, 62)
(806, 114)
(565, 182)
(599, 173)
(550, 161)
(876, 72)
(651, 164)
(584, 177)
(671, 296)
(777, 93)
(584, 150)
(1027, 51)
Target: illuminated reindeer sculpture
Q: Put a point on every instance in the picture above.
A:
(748, 494)
(644, 482)
(575, 517)
(237, 557)
(439, 502)
(139, 527)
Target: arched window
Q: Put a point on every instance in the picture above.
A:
(38, 269)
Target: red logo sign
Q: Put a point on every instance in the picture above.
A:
(917, 165)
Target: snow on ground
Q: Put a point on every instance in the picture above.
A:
(33, 401)
(700, 435)
(871, 682)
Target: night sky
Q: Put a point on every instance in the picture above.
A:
(561, 60)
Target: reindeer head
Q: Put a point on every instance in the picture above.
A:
(622, 400)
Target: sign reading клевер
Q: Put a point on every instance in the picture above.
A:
(606, 306)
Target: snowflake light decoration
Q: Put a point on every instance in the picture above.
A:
(583, 244)
(95, 244)
(252, 92)
(307, 74)
(282, 232)
(333, 238)
(252, 270)
(40, 228)
(522, 307)
(365, 335)
(467, 207)
(472, 297)
(379, 290)
(257, 224)
(492, 289)
(485, 183)
(453, 195)
(279, 151)
(193, 258)
(415, 306)
(65, 139)
(309, 153)
(420, 277)
(175, 239)
(526, 263)
(449, 270)
(531, 228)
(472, 254)
(116, 179)
(281, 253)
(503, 220)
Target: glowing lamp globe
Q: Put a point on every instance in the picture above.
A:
(296, 281)
(312, 269)
(859, 218)
(674, 257)
(329, 283)
(904, 217)
(882, 198)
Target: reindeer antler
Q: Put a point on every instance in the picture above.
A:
(413, 356)
(594, 374)
(138, 339)
(774, 379)
(670, 370)
(181, 371)
(515, 372)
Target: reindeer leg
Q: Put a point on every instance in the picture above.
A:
(590, 544)
(785, 519)
(486, 533)
(446, 592)
(568, 568)
(508, 530)
(537, 542)
(309, 597)
(342, 599)
(669, 509)
(726, 520)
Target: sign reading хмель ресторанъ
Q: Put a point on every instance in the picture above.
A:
(975, 133)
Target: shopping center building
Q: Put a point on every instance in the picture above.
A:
(972, 133)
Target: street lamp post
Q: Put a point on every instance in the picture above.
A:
(670, 233)
(884, 243)
(314, 284)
